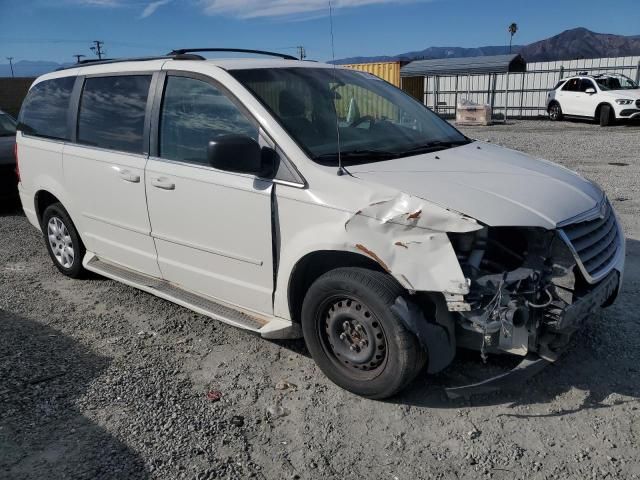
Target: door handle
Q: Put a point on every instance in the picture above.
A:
(163, 183)
(126, 175)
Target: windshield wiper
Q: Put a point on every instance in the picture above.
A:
(364, 155)
(433, 146)
(355, 155)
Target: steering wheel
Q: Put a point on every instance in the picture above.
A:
(365, 118)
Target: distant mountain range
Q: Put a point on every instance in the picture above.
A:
(568, 45)
(29, 68)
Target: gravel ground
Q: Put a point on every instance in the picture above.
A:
(98, 380)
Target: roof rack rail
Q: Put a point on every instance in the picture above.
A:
(182, 51)
(90, 62)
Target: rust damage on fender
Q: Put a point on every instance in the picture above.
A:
(414, 215)
(408, 237)
(372, 255)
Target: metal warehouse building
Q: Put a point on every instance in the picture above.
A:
(513, 87)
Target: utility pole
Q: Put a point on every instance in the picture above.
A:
(302, 53)
(97, 48)
(11, 65)
(78, 57)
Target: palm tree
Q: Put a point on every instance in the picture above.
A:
(513, 28)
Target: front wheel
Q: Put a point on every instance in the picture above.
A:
(355, 337)
(607, 117)
(63, 242)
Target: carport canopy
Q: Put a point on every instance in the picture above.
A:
(465, 66)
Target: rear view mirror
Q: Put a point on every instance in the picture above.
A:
(590, 91)
(242, 154)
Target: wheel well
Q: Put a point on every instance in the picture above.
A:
(310, 267)
(597, 114)
(551, 104)
(42, 200)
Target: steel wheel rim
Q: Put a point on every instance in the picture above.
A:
(554, 112)
(345, 323)
(60, 242)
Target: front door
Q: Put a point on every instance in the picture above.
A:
(104, 170)
(587, 102)
(212, 229)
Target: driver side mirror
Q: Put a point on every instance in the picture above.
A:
(241, 154)
(590, 91)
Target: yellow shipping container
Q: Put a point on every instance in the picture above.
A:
(389, 71)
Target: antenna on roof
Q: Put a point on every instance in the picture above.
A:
(341, 170)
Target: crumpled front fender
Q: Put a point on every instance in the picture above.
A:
(408, 237)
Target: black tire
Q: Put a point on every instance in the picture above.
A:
(391, 355)
(555, 112)
(606, 116)
(70, 265)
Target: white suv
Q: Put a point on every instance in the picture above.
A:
(297, 199)
(604, 98)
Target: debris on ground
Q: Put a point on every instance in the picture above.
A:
(214, 395)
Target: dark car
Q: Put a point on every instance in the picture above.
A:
(8, 177)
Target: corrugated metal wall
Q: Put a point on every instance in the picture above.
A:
(368, 103)
(527, 91)
(389, 71)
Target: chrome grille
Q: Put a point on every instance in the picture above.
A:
(594, 243)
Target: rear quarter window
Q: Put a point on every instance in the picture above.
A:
(44, 110)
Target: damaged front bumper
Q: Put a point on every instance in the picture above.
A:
(527, 368)
(574, 317)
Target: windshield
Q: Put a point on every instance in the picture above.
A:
(616, 83)
(375, 120)
(7, 125)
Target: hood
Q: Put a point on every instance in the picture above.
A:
(6, 150)
(635, 93)
(495, 185)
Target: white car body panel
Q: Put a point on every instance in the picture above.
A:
(213, 232)
(498, 186)
(110, 205)
(43, 172)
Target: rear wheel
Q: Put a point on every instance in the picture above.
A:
(354, 336)
(555, 112)
(606, 116)
(63, 242)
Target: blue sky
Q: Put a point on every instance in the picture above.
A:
(57, 29)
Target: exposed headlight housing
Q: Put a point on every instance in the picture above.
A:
(624, 101)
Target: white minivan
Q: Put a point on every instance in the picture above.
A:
(293, 198)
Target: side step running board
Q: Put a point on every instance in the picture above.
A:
(267, 327)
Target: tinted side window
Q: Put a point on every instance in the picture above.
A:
(194, 113)
(572, 85)
(586, 83)
(112, 112)
(44, 110)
